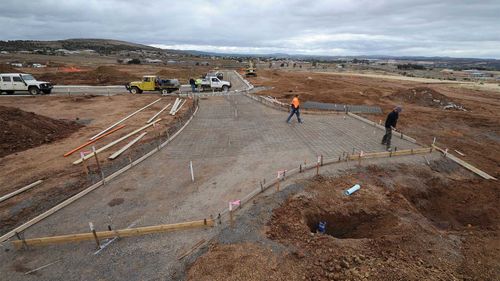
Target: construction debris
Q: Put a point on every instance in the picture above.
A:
(115, 142)
(158, 113)
(174, 107)
(124, 119)
(179, 107)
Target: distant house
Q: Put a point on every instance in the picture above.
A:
(62, 51)
(4, 52)
(38, 65)
(65, 52)
(16, 64)
(153, 61)
(474, 73)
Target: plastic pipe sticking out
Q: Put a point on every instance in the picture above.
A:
(352, 189)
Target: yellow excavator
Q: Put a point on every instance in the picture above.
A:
(250, 70)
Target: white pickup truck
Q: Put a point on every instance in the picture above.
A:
(15, 82)
(214, 83)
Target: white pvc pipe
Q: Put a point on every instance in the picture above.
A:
(127, 146)
(174, 107)
(352, 189)
(179, 107)
(158, 113)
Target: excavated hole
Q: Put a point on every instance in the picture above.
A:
(354, 225)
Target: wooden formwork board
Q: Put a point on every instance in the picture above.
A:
(113, 233)
(464, 164)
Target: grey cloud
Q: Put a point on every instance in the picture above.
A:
(335, 27)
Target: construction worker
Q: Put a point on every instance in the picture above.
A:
(294, 109)
(193, 85)
(197, 82)
(390, 124)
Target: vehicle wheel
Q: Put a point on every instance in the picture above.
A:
(164, 92)
(134, 90)
(47, 92)
(33, 91)
(225, 88)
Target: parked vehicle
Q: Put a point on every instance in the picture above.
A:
(153, 83)
(214, 83)
(16, 82)
(217, 74)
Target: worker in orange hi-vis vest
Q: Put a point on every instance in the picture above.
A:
(294, 109)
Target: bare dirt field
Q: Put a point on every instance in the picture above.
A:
(110, 74)
(41, 129)
(406, 223)
(474, 132)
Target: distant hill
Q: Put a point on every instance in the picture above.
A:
(98, 45)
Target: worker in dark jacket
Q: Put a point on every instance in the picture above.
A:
(193, 85)
(390, 123)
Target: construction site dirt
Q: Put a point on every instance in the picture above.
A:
(407, 222)
(52, 126)
(414, 217)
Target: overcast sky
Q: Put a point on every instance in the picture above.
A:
(320, 27)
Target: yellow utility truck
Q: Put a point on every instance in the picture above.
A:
(153, 83)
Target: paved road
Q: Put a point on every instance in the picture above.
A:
(233, 142)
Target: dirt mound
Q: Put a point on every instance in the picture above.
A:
(21, 130)
(103, 75)
(244, 259)
(423, 96)
(6, 68)
(182, 74)
(387, 230)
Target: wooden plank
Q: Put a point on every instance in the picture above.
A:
(122, 120)
(174, 107)
(158, 113)
(464, 164)
(115, 142)
(92, 141)
(179, 107)
(127, 146)
(113, 233)
(70, 200)
(23, 189)
(370, 155)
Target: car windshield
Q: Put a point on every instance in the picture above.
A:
(27, 77)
